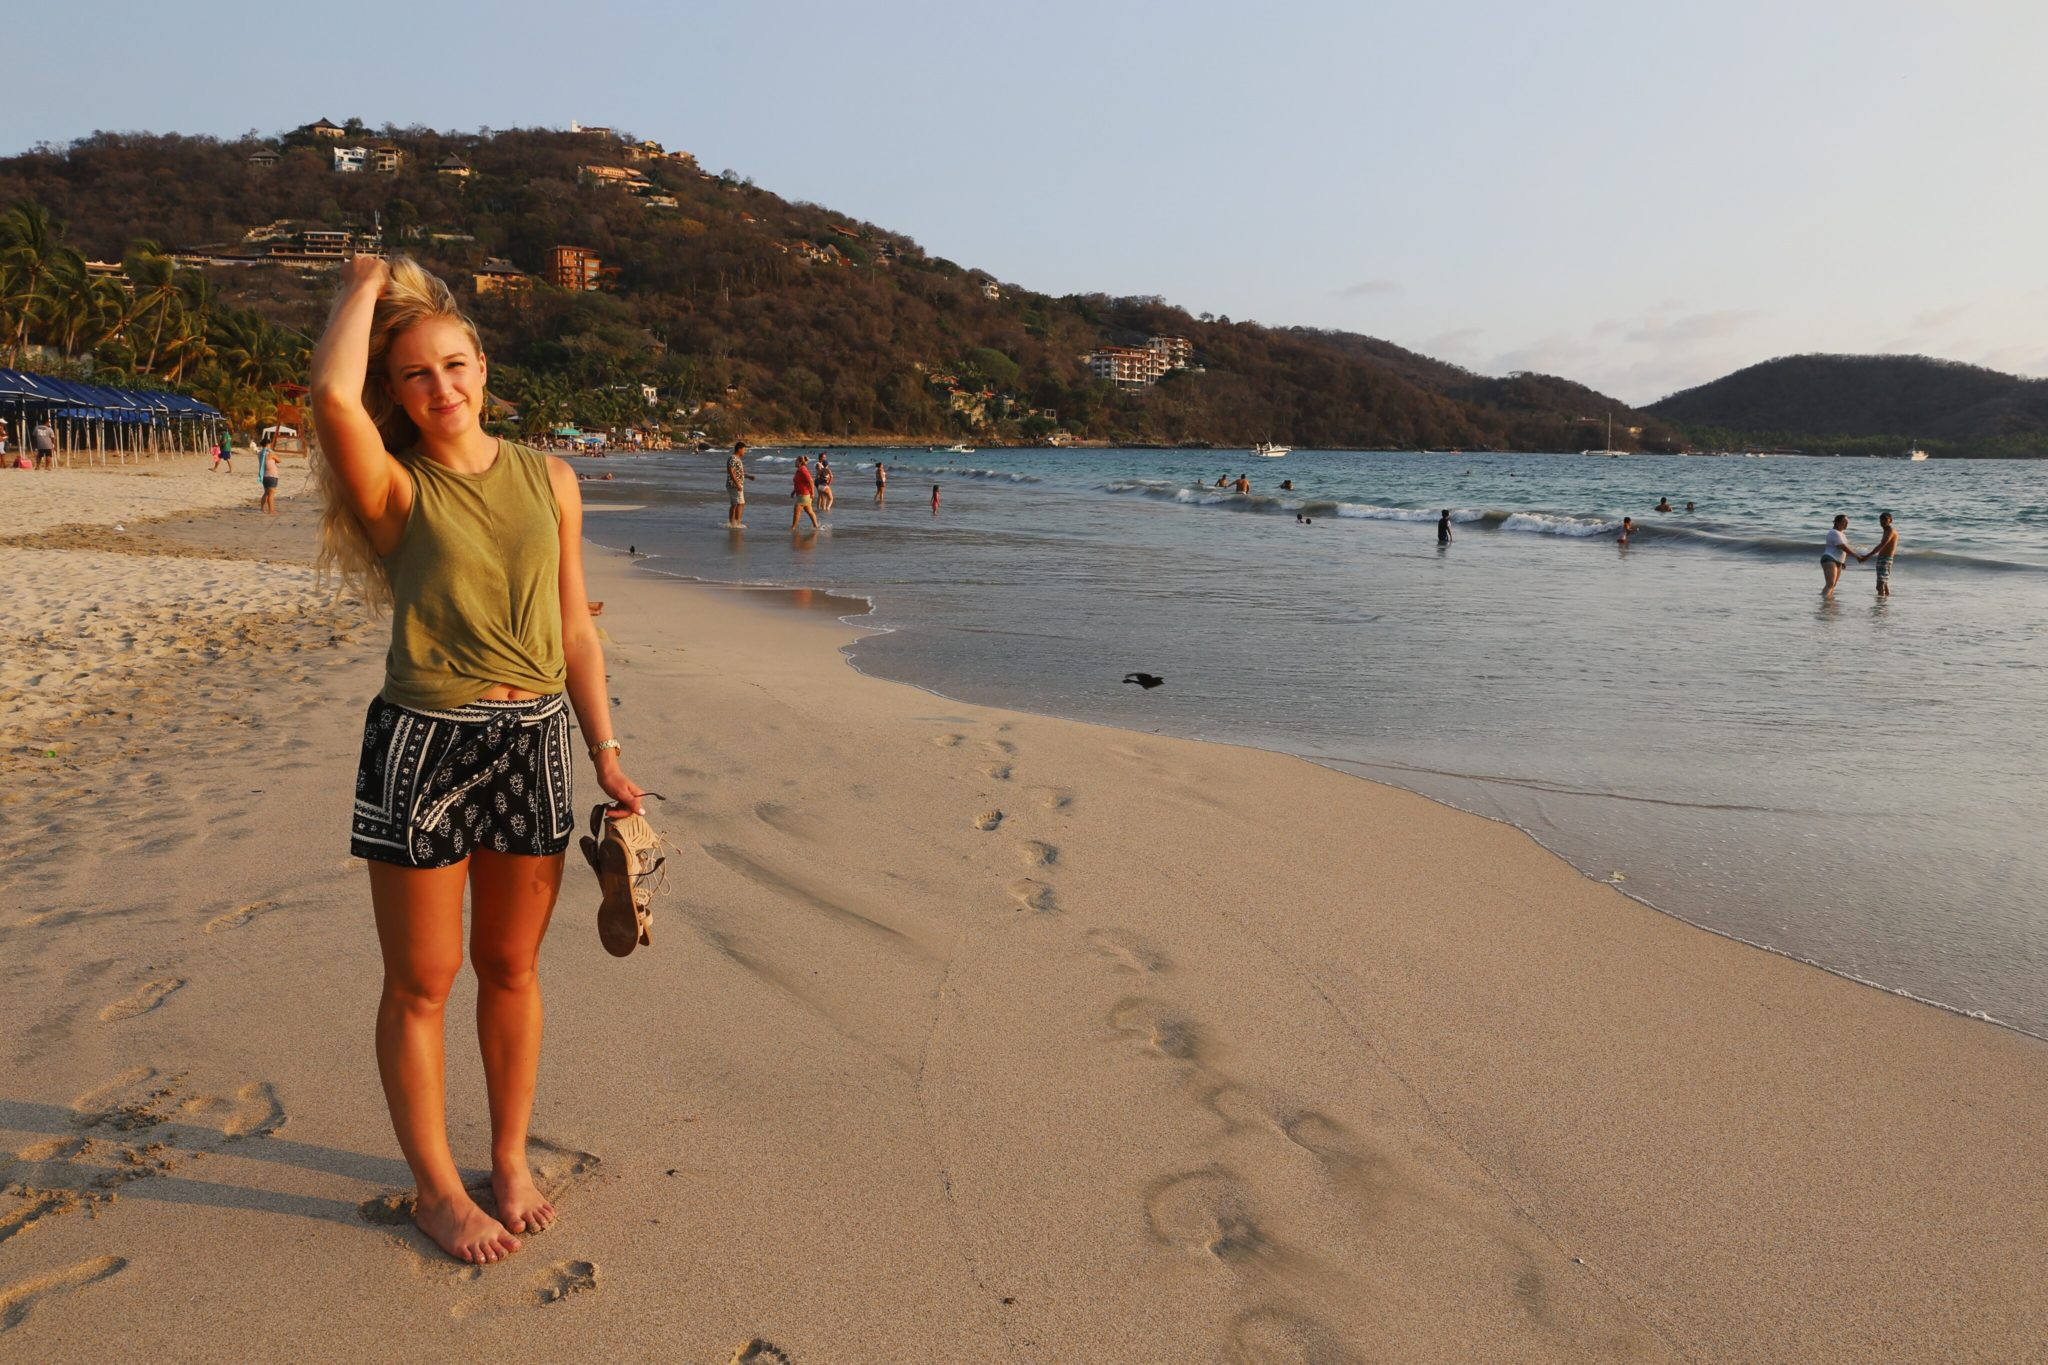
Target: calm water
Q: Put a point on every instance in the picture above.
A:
(1856, 784)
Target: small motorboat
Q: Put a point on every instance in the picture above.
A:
(1266, 450)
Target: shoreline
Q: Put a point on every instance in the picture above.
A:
(1343, 767)
(1191, 1047)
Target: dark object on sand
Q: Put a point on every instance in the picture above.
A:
(1146, 680)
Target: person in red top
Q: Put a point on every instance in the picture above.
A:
(800, 494)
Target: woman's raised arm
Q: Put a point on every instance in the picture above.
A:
(375, 484)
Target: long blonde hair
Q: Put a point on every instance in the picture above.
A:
(412, 295)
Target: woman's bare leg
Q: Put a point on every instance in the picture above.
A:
(511, 900)
(419, 927)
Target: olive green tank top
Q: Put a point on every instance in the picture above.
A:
(474, 584)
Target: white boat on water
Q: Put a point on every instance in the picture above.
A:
(962, 449)
(1266, 450)
(1916, 454)
(1610, 452)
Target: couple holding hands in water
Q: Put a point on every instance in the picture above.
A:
(1834, 557)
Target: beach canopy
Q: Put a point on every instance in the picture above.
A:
(96, 402)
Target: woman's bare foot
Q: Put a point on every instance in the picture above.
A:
(521, 1205)
(463, 1230)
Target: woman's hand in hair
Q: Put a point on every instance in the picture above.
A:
(366, 272)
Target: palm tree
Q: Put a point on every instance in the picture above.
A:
(86, 316)
(34, 266)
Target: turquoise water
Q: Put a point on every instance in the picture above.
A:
(1857, 784)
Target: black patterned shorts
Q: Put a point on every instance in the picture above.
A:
(435, 786)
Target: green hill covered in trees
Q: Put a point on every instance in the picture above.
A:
(1867, 405)
(746, 312)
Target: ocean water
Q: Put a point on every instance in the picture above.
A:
(1856, 784)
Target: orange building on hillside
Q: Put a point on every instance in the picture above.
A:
(573, 267)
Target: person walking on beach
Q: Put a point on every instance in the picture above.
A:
(1443, 528)
(3, 435)
(824, 482)
(801, 488)
(1884, 552)
(465, 779)
(1834, 557)
(266, 474)
(736, 477)
(881, 481)
(45, 441)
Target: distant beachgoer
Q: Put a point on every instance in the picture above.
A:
(1886, 550)
(1222, 480)
(1628, 528)
(1443, 528)
(1663, 504)
(1688, 506)
(881, 480)
(736, 477)
(824, 482)
(1834, 557)
(45, 442)
(1287, 485)
(1243, 485)
(266, 474)
(3, 435)
(935, 499)
(801, 488)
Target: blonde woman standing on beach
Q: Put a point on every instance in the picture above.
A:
(475, 545)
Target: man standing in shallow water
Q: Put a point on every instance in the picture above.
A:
(736, 477)
(1886, 550)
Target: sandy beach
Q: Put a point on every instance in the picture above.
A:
(966, 1035)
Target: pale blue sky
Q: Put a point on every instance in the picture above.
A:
(1641, 196)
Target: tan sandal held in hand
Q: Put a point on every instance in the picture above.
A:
(625, 852)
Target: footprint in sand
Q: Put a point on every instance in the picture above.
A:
(141, 1001)
(555, 1167)
(1000, 746)
(1270, 1335)
(1205, 1211)
(1053, 798)
(253, 1111)
(36, 1205)
(948, 741)
(1125, 950)
(1032, 894)
(239, 916)
(20, 1298)
(988, 820)
(564, 1278)
(1157, 1027)
(999, 771)
(755, 1351)
(1036, 853)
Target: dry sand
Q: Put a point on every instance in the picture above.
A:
(965, 1035)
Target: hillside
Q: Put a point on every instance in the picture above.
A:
(1867, 405)
(748, 312)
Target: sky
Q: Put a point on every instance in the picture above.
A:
(1640, 196)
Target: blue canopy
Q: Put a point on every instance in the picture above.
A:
(69, 398)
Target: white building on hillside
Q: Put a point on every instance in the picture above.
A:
(350, 159)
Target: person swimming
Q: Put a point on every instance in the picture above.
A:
(1663, 504)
